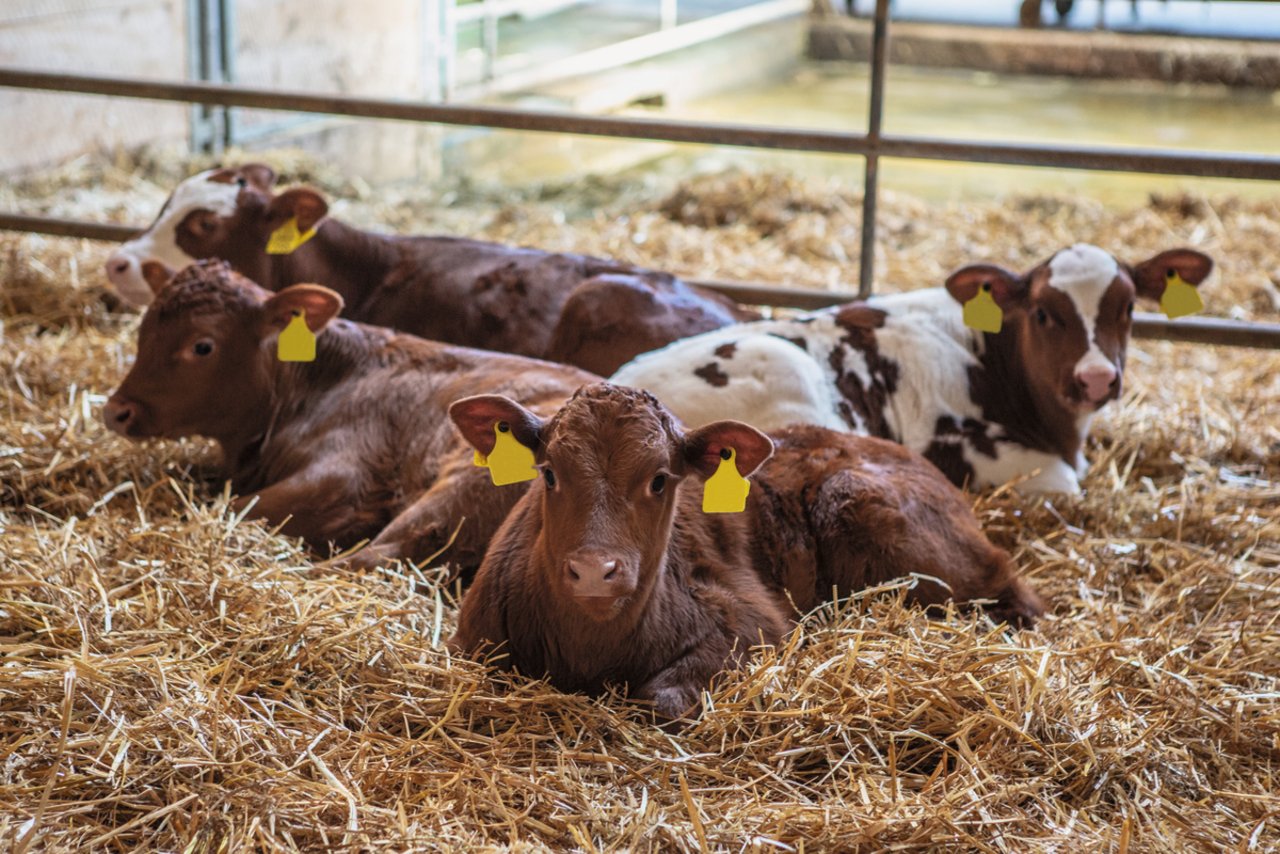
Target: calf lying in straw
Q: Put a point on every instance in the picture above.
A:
(354, 444)
(609, 571)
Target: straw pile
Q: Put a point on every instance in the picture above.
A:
(174, 680)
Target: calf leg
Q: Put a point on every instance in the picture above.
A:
(871, 531)
(463, 499)
(319, 505)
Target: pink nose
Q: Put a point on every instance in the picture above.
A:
(1098, 380)
(593, 577)
(119, 266)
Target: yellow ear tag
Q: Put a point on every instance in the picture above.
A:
(287, 238)
(726, 490)
(982, 313)
(296, 342)
(1179, 298)
(509, 461)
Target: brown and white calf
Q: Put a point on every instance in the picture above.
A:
(608, 572)
(985, 408)
(354, 445)
(449, 289)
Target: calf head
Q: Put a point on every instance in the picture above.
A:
(612, 463)
(206, 353)
(220, 213)
(1067, 321)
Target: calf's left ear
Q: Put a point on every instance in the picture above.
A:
(304, 203)
(702, 447)
(1151, 276)
(316, 303)
(476, 416)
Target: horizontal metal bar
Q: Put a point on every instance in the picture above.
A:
(649, 45)
(59, 227)
(1191, 330)
(1158, 161)
(1195, 330)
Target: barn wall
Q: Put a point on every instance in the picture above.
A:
(372, 47)
(142, 38)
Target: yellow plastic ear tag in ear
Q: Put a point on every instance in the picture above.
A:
(726, 490)
(287, 238)
(982, 313)
(509, 461)
(296, 342)
(1179, 298)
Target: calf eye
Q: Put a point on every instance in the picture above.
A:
(1042, 317)
(550, 477)
(1129, 310)
(658, 484)
(242, 182)
(203, 347)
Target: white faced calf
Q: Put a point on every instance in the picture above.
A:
(983, 407)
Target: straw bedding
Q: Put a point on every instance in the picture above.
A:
(174, 680)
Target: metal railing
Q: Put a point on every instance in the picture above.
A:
(871, 145)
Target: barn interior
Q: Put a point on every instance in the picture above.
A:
(174, 677)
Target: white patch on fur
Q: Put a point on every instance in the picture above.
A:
(772, 383)
(160, 243)
(1084, 273)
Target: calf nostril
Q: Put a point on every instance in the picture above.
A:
(124, 414)
(573, 574)
(611, 569)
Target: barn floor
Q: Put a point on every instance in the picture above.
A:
(174, 680)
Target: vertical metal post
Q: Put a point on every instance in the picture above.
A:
(432, 91)
(489, 41)
(667, 14)
(870, 184)
(449, 46)
(210, 49)
(227, 61)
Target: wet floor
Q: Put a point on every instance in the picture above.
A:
(947, 104)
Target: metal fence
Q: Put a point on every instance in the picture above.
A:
(871, 145)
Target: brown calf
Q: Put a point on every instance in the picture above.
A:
(449, 289)
(610, 573)
(353, 445)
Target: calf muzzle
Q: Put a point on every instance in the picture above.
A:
(120, 414)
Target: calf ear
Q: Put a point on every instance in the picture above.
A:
(702, 447)
(1006, 288)
(316, 303)
(476, 416)
(1151, 276)
(157, 275)
(304, 203)
(259, 175)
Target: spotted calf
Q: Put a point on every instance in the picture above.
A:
(984, 408)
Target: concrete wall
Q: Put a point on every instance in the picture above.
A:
(142, 38)
(369, 47)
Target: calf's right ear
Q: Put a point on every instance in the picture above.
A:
(476, 416)
(702, 447)
(1005, 288)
